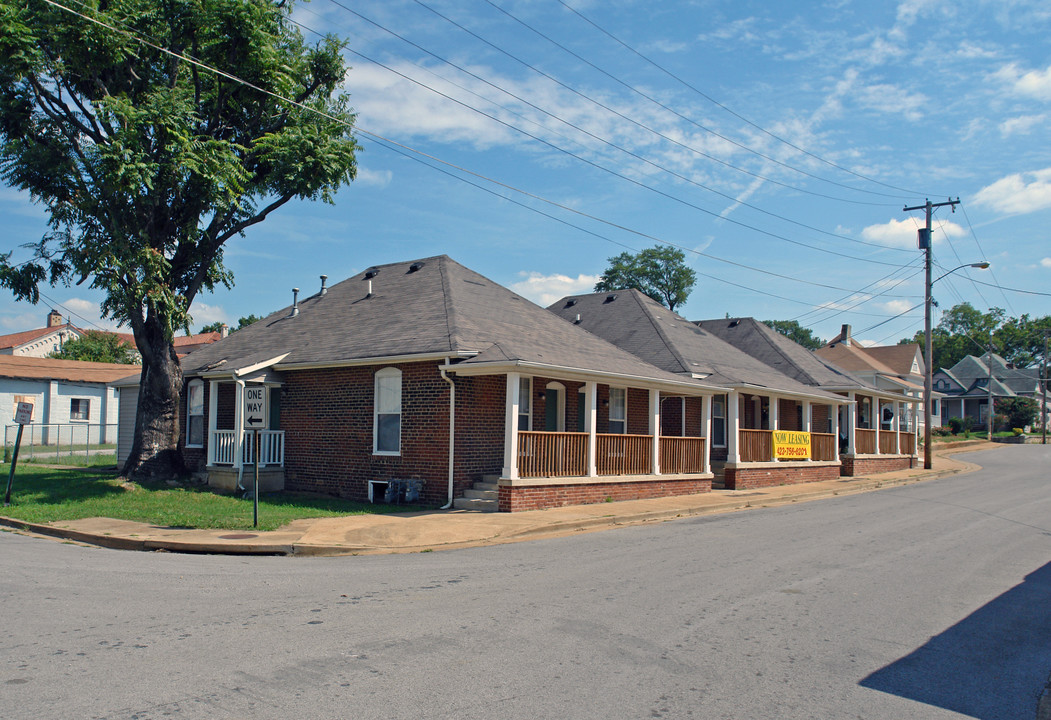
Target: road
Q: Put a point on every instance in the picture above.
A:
(928, 600)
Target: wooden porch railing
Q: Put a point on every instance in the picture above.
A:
(271, 447)
(624, 454)
(864, 441)
(682, 454)
(887, 446)
(552, 454)
(908, 443)
(756, 445)
(822, 446)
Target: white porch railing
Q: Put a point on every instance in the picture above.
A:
(271, 447)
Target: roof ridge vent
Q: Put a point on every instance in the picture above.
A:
(571, 302)
(416, 266)
(611, 297)
(372, 272)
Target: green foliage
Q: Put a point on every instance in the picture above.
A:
(965, 330)
(792, 330)
(1017, 411)
(660, 272)
(242, 323)
(147, 163)
(98, 346)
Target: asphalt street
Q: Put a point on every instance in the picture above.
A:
(928, 600)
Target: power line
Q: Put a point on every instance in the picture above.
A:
(735, 114)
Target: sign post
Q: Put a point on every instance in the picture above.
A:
(255, 411)
(23, 416)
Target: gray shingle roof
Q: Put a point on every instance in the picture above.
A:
(782, 354)
(635, 322)
(428, 307)
(1018, 380)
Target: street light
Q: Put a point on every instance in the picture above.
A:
(928, 371)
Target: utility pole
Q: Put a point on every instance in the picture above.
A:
(989, 394)
(928, 383)
(1043, 395)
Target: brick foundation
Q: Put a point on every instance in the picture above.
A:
(516, 498)
(854, 465)
(747, 478)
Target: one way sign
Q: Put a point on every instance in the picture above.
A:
(255, 406)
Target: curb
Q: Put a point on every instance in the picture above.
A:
(850, 486)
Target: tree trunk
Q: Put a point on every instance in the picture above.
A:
(155, 450)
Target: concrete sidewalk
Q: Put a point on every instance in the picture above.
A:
(442, 530)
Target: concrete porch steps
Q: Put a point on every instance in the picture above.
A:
(483, 497)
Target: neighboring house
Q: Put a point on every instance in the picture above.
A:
(877, 432)
(898, 368)
(966, 386)
(759, 399)
(40, 342)
(71, 399)
(428, 371)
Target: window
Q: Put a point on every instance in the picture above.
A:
(719, 421)
(195, 414)
(618, 410)
(525, 395)
(79, 409)
(387, 421)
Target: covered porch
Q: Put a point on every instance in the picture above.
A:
(774, 438)
(574, 440)
(880, 433)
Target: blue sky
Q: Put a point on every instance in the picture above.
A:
(777, 143)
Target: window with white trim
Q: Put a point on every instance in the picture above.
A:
(195, 414)
(386, 427)
(525, 405)
(80, 409)
(618, 410)
(719, 421)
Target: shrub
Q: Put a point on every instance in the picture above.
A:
(956, 425)
(1018, 431)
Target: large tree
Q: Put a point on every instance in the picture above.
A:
(660, 272)
(148, 160)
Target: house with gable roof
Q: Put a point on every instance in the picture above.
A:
(759, 402)
(966, 386)
(40, 342)
(428, 371)
(877, 428)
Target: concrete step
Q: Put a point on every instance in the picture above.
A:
(490, 479)
(479, 494)
(466, 503)
(486, 486)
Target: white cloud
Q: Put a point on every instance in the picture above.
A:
(1035, 83)
(1019, 193)
(897, 306)
(374, 178)
(205, 314)
(1021, 125)
(892, 99)
(546, 289)
(902, 233)
(1046, 262)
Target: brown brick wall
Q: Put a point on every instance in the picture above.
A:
(518, 498)
(853, 466)
(788, 415)
(750, 478)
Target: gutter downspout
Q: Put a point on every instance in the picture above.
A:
(452, 429)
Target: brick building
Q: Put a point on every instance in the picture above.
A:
(427, 371)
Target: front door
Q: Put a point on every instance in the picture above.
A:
(552, 416)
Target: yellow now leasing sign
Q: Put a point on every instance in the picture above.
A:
(791, 445)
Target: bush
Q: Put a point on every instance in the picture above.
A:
(956, 425)
(1018, 411)
(943, 431)
(1018, 431)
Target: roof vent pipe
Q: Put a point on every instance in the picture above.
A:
(370, 289)
(577, 321)
(295, 302)
(324, 290)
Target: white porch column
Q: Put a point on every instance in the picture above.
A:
(706, 430)
(852, 423)
(808, 410)
(590, 423)
(774, 405)
(733, 427)
(239, 425)
(510, 470)
(655, 429)
(834, 413)
(877, 421)
(895, 426)
(213, 418)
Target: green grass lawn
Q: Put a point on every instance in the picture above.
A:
(45, 494)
